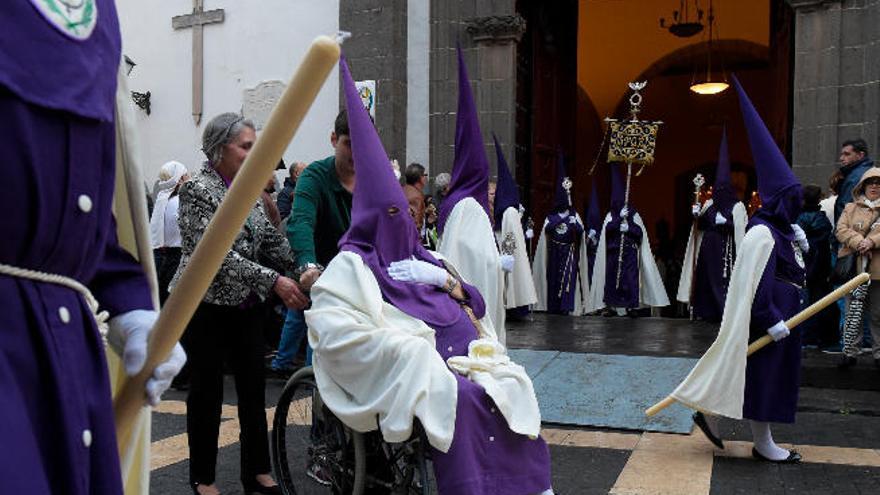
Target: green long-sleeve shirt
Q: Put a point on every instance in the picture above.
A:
(321, 214)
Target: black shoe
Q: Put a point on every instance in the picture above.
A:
(846, 362)
(793, 457)
(877, 363)
(701, 423)
(608, 312)
(632, 313)
(255, 488)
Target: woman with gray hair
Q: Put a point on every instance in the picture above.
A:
(227, 323)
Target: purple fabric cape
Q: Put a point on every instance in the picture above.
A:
(382, 231)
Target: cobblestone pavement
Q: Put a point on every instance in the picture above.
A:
(837, 430)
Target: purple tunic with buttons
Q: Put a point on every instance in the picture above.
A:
(624, 294)
(563, 260)
(485, 458)
(57, 98)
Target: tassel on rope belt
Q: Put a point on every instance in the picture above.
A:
(101, 317)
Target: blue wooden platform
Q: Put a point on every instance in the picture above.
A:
(603, 390)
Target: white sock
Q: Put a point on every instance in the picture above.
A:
(764, 443)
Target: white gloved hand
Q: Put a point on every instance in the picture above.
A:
(624, 226)
(128, 335)
(591, 235)
(572, 219)
(800, 237)
(507, 262)
(719, 219)
(624, 212)
(695, 209)
(413, 270)
(779, 331)
(530, 233)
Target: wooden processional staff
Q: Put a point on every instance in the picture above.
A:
(633, 142)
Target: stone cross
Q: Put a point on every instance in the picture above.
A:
(197, 21)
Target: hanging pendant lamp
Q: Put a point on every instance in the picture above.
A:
(707, 86)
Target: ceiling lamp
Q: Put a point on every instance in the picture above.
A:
(707, 86)
(682, 25)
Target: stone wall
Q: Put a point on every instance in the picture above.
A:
(836, 82)
(378, 50)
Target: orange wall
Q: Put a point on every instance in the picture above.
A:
(620, 39)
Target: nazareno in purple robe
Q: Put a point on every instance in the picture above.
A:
(626, 293)
(714, 264)
(485, 457)
(563, 262)
(57, 99)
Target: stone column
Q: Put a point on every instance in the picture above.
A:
(378, 50)
(488, 31)
(836, 82)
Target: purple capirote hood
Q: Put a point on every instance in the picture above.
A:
(382, 231)
(470, 169)
(506, 193)
(778, 187)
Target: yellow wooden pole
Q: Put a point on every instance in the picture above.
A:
(286, 117)
(791, 323)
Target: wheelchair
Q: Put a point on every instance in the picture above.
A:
(313, 452)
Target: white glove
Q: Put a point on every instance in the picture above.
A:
(800, 237)
(591, 235)
(128, 335)
(779, 331)
(413, 270)
(507, 262)
(572, 219)
(624, 212)
(530, 233)
(695, 209)
(624, 226)
(719, 219)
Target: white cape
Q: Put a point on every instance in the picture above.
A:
(740, 219)
(130, 211)
(651, 289)
(372, 361)
(539, 274)
(717, 383)
(519, 287)
(469, 243)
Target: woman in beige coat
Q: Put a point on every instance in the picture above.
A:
(858, 231)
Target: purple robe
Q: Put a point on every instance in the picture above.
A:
(486, 457)
(714, 264)
(625, 295)
(773, 373)
(563, 257)
(57, 94)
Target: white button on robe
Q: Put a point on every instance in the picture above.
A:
(87, 438)
(84, 202)
(64, 314)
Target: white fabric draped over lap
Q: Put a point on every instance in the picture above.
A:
(372, 360)
(740, 220)
(519, 288)
(539, 274)
(651, 289)
(717, 383)
(468, 242)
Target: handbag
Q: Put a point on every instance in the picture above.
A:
(843, 270)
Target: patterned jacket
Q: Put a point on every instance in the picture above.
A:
(258, 255)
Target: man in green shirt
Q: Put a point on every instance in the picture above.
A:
(322, 207)
(320, 214)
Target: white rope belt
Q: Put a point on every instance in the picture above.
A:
(100, 317)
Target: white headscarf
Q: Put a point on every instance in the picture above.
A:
(169, 176)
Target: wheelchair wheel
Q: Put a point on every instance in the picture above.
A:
(313, 452)
(405, 467)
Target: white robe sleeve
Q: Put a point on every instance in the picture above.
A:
(520, 288)
(539, 272)
(740, 221)
(597, 285)
(690, 259)
(468, 242)
(716, 385)
(652, 292)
